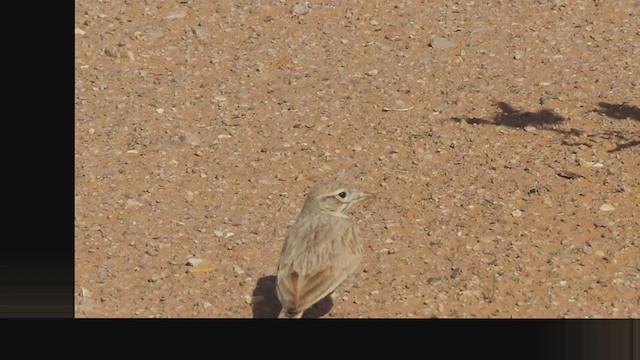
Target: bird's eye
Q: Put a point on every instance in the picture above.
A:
(343, 194)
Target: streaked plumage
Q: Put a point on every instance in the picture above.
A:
(322, 248)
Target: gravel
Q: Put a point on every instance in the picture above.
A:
(493, 147)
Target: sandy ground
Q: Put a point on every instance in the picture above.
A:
(502, 139)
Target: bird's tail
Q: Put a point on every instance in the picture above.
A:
(290, 314)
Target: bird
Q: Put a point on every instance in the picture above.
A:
(321, 249)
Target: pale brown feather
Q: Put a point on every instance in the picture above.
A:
(318, 255)
(322, 248)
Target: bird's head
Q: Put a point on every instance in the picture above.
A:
(333, 197)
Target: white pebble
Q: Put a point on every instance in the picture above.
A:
(299, 9)
(442, 43)
(518, 54)
(607, 207)
(132, 202)
(194, 262)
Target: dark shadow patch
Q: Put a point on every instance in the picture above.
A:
(519, 119)
(622, 140)
(511, 117)
(626, 145)
(319, 309)
(546, 120)
(619, 111)
(514, 118)
(266, 304)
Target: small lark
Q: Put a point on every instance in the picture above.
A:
(322, 248)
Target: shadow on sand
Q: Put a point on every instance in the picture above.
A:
(619, 111)
(546, 119)
(269, 306)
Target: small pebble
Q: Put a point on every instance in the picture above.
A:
(189, 138)
(199, 265)
(569, 174)
(486, 239)
(518, 54)
(602, 222)
(175, 15)
(530, 128)
(299, 9)
(132, 202)
(194, 262)
(441, 43)
(585, 163)
(606, 207)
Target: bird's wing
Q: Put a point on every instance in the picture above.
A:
(314, 261)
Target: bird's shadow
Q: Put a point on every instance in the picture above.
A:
(619, 111)
(511, 117)
(547, 120)
(267, 306)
